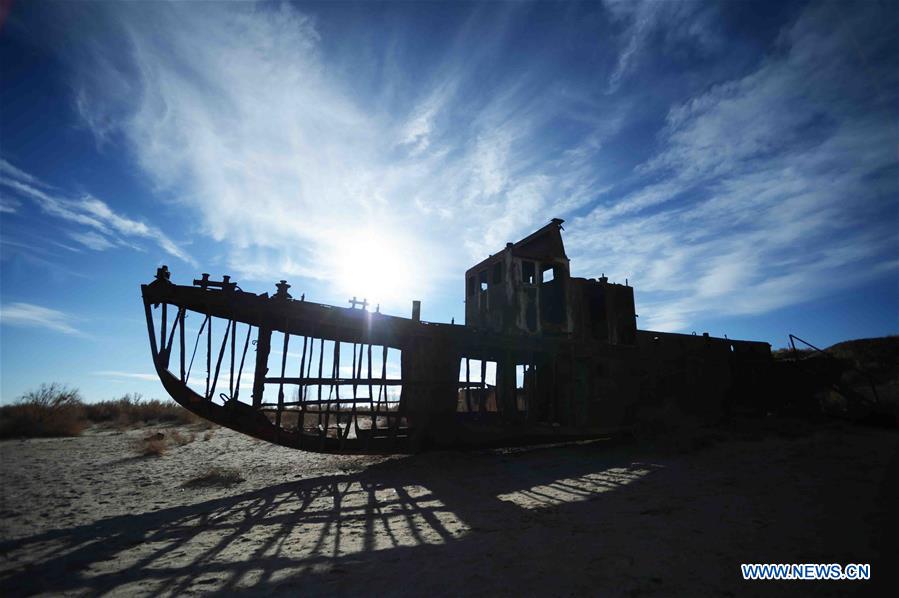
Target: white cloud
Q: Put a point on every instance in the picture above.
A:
(27, 314)
(285, 162)
(416, 133)
(248, 126)
(91, 240)
(8, 205)
(52, 205)
(682, 22)
(87, 211)
(10, 171)
(127, 375)
(767, 191)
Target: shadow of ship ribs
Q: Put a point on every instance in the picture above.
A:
(303, 534)
(581, 519)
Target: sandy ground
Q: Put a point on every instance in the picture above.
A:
(87, 516)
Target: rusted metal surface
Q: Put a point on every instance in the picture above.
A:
(542, 357)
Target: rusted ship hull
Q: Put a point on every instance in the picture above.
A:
(536, 361)
(324, 396)
(300, 395)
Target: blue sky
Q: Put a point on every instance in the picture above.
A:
(736, 162)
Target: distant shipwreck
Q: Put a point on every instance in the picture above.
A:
(542, 357)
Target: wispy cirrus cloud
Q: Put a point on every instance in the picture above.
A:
(91, 240)
(252, 129)
(291, 163)
(36, 316)
(768, 190)
(8, 205)
(7, 170)
(678, 23)
(107, 227)
(148, 377)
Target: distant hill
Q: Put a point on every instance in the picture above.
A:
(857, 379)
(879, 357)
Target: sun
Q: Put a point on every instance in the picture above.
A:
(375, 266)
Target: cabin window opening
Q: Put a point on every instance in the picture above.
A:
(525, 386)
(595, 301)
(530, 309)
(498, 273)
(528, 272)
(482, 280)
(477, 386)
(552, 296)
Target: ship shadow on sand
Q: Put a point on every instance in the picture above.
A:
(366, 529)
(577, 519)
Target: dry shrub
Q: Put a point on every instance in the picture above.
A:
(215, 476)
(151, 446)
(51, 410)
(158, 443)
(57, 410)
(208, 435)
(176, 438)
(790, 353)
(132, 409)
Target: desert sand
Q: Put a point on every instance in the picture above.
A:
(86, 515)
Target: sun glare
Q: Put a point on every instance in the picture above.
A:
(376, 267)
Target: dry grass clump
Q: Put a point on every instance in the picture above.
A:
(215, 477)
(176, 438)
(151, 446)
(156, 444)
(51, 410)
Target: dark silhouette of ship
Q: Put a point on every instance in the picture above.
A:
(542, 357)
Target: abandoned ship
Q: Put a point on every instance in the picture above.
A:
(542, 357)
